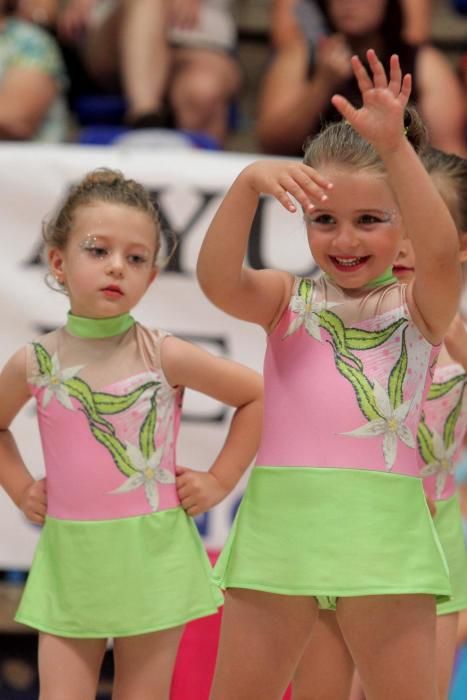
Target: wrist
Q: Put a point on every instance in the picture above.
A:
(394, 149)
(225, 483)
(21, 491)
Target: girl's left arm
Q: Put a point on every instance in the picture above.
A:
(433, 296)
(187, 365)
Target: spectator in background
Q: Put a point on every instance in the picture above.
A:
(309, 67)
(174, 60)
(43, 12)
(32, 82)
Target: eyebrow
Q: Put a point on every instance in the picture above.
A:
(97, 238)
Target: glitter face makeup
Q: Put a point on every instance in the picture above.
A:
(354, 236)
(99, 247)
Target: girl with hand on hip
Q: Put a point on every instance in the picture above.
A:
(118, 555)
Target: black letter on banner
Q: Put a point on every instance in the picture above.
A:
(174, 264)
(217, 416)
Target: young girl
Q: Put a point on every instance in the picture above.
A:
(118, 556)
(326, 664)
(444, 420)
(334, 510)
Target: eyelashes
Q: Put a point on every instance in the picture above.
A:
(326, 220)
(98, 251)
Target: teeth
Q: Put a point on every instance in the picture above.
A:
(349, 262)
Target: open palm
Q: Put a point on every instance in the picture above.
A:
(381, 118)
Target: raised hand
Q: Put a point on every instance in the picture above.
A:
(281, 179)
(381, 118)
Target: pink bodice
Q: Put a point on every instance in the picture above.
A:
(109, 448)
(345, 379)
(442, 430)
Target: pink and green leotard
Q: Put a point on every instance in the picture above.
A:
(335, 505)
(117, 555)
(440, 441)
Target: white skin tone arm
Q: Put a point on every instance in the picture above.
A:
(233, 384)
(290, 103)
(252, 295)
(433, 296)
(440, 101)
(27, 493)
(260, 296)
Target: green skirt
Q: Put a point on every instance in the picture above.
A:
(448, 524)
(333, 532)
(118, 577)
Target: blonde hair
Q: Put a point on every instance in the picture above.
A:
(100, 185)
(338, 143)
(450, 174)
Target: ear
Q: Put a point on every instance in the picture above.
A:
(463, 247)
(56, 264)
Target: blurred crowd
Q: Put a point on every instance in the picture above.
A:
(176, 65)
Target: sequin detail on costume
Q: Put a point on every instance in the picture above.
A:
(127, 425)
(384, 409)
(442, 429)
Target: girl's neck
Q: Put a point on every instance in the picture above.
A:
(84, 327)
(383, 280)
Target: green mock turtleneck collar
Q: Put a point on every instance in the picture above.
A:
(387, 277)
(98, 327)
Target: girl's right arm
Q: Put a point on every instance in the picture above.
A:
(27, 493)
(252, 295)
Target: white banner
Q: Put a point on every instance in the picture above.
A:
(188, 185)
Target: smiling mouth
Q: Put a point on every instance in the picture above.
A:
(349, 263)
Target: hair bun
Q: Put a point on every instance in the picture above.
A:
(102, 176)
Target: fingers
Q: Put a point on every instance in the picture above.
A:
(379, 74)
(395, 75)
(398, 85)
(305, 185)
(406, 88)
(344, 107)
(363, 79)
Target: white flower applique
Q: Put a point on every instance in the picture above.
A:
(148, 474)
(307, 315)
(391, 425)
(443, 464)
(55, 383)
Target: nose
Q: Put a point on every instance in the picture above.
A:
(115, 265)
(346, 238)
